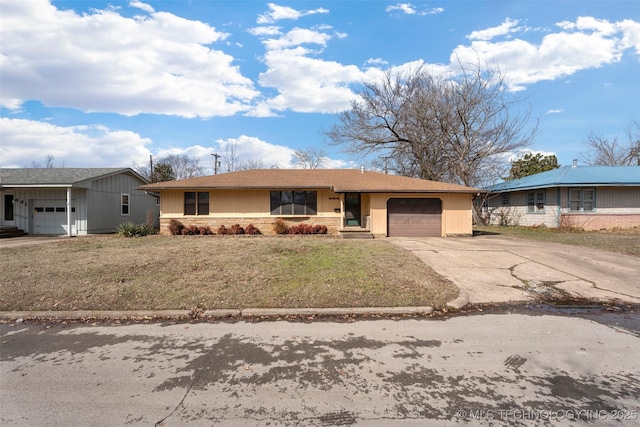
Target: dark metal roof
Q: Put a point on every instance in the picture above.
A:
(51, 177)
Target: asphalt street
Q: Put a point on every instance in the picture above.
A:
(492, 369)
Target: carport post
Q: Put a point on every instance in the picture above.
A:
(69, 211)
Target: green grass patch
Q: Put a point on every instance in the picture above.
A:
(213, 272)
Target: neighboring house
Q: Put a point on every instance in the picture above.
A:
(586, 197)
(344, 200)
(74, 201)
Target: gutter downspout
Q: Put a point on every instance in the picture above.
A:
(69, 211)
(559, 207)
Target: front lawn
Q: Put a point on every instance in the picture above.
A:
(215, 272)
(621, 241)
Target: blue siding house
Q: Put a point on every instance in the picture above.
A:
(585, 197)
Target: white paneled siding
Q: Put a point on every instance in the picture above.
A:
(97, 205)
(104, 203)
(614, 207)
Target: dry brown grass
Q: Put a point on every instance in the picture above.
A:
(625, 241)
(159, 272)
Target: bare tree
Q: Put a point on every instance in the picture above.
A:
(49, 158)
(251, 164)
(173, 166)
(183, 166)
(310, 158)
(612, 152)
(230, 156)
(456, 129)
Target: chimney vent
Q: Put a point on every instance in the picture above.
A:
(575, 163)
(361, 169)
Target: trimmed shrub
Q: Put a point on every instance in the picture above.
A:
(191, 230)
(222, 230)
(251, 230)
(205, 230)
(129, 229)
(320, 229)
(175, 227)
(308, 229)
(236, 229)
(280, 227)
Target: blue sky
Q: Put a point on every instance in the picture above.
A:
(108, 83)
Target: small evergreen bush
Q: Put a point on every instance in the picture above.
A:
(129, 229)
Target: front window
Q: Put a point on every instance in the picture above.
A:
(535, 202)
(196, 203)
(294, 202)
(582, 199)
(124, 204)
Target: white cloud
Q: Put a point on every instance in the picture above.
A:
(143, 6)
(554, 111)
(434, 11)
(277, 13)
(296, 37)
(102, 61)
(318, 85)
(406, 8)
(410, 9)
(304, 83)
(248, 148)
(507, 27)
(586, 43)
(26, 141)
(266, 30)
(631, 35)
(376, 61)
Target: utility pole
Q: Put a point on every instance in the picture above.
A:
(151, 174)
(216, 163)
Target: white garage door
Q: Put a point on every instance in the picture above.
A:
(50, 216)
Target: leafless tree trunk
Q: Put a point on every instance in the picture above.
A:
(230, 156)
(611, 152)
(457, 130)
(251, 164)
(183, 166)
(310, 158)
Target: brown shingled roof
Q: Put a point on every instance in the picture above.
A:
(338, 180)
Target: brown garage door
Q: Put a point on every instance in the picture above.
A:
(414, 218)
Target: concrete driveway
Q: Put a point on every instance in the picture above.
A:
(501, 269)
(15, 242)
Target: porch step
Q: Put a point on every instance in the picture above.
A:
(356, 233)
(7, 231)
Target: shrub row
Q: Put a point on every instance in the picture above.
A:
(237, 229)
(129, 229)
(280, 227)
(176, 228)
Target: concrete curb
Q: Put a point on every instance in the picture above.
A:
(461, 301)
(211, 314)
(255, 312)
(93, 314)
